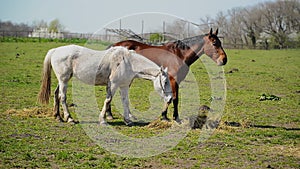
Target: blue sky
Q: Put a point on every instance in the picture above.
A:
(88, 16)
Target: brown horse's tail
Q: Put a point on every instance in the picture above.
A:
(45, 90)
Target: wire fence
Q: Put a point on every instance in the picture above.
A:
(108, 37)
(30, 36)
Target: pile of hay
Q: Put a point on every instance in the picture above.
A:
(196, 121)
(159, 124)
(32, 112)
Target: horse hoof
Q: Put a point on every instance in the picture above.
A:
(109, 117)
(59, 119)
(178, 121)
(72, 121)
(130, 124)
(133, 117)
(165, 119)
(103, 123)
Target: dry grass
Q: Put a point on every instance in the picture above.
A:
(159, 124)
(31, 112)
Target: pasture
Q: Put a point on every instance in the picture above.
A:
(253, 133)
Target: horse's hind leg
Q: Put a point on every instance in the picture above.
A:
(125, 102)
(56, 105)
(109, 115)
(104, 109)
(63, 96)
(110, 91)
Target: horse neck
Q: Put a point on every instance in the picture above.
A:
(195, 49)
(191, 55)
(144, 68)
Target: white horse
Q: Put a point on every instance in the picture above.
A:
(115, 67)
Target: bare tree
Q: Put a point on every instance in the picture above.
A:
(280, 19)
(178, 27)
(37, 24)
(234, 30)
(268, 22)
(206, 23)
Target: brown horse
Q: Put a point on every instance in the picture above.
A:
(178, 56)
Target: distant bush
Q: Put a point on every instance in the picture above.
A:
(156, 37)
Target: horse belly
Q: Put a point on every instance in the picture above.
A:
(91, 74)
(101, 79)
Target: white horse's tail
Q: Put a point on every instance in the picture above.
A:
(45, 90)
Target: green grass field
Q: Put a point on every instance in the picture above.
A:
(252, 133)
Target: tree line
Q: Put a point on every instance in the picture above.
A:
(273, 24)
(8, 26)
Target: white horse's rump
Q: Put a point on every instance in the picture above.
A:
(115, 67)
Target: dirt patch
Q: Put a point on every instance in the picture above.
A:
(31, 112)
(25, 135)
(290, 150)
(233, 70)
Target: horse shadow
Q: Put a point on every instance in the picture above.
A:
(237, 124)
(197, 124)
(135, 123)
(117, 123)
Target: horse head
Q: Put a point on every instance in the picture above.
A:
(213, 48)
(163, 86)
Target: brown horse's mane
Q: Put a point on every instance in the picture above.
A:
(185, 44)
(181, 45)
(193, 40)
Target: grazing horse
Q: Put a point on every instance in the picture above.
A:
(114, 68)
(178, 56)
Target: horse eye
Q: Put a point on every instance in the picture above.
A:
(214, 42)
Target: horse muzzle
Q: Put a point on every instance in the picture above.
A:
(222, 60)
(168, 99)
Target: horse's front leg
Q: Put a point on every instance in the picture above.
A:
(174, 90)
(164, 113)
(175, 104)
(125, 101)
(175, 113)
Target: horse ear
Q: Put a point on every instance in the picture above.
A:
(166, 70)
(217, 31)
(161, 68)
(210, 32)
